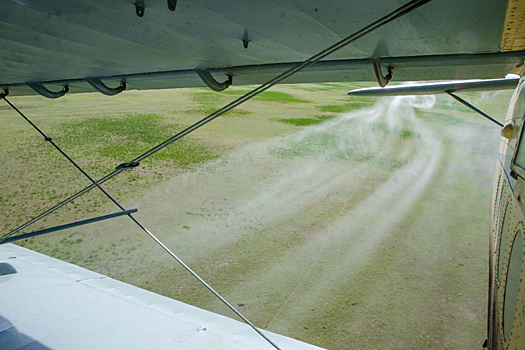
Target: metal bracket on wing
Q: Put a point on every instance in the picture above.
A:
(172, 5)
(245, 40)
(140, 8)
(211, 82)
(381, 80)
(104, 89)
(41, 89)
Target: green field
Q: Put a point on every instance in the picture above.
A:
(343, 222)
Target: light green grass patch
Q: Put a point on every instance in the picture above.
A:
(336, 148)
(439, 118)
(299, 121)
(342, 108)
(266, 96)
(231, 91)
(305, 121)
(281, 97)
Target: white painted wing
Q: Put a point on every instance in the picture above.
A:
(51, 304)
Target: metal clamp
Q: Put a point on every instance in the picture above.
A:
(4, 94)
(211, 82)
(41, 89)
(128, 165)
(381, 80)
(104, 89)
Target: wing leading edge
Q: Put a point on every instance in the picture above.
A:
(57, 305)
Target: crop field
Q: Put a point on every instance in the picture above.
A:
(344, 222)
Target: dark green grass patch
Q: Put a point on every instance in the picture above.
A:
(304, 121)
(267, 96)
(299, 121)
(344, 107)
(125, 137)
(208, 98)
(406, 134)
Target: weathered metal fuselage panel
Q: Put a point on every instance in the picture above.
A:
(507, 246)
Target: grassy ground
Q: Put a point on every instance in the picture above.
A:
(317, 214)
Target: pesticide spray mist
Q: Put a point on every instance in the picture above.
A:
(304, 229)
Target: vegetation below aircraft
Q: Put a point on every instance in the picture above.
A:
(230, 199)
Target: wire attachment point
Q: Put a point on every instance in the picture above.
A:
(4, 93)
(49, 139)
(128, 165)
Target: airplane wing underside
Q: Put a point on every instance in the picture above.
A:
(64, 42)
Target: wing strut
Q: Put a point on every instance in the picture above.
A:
(66, 226)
